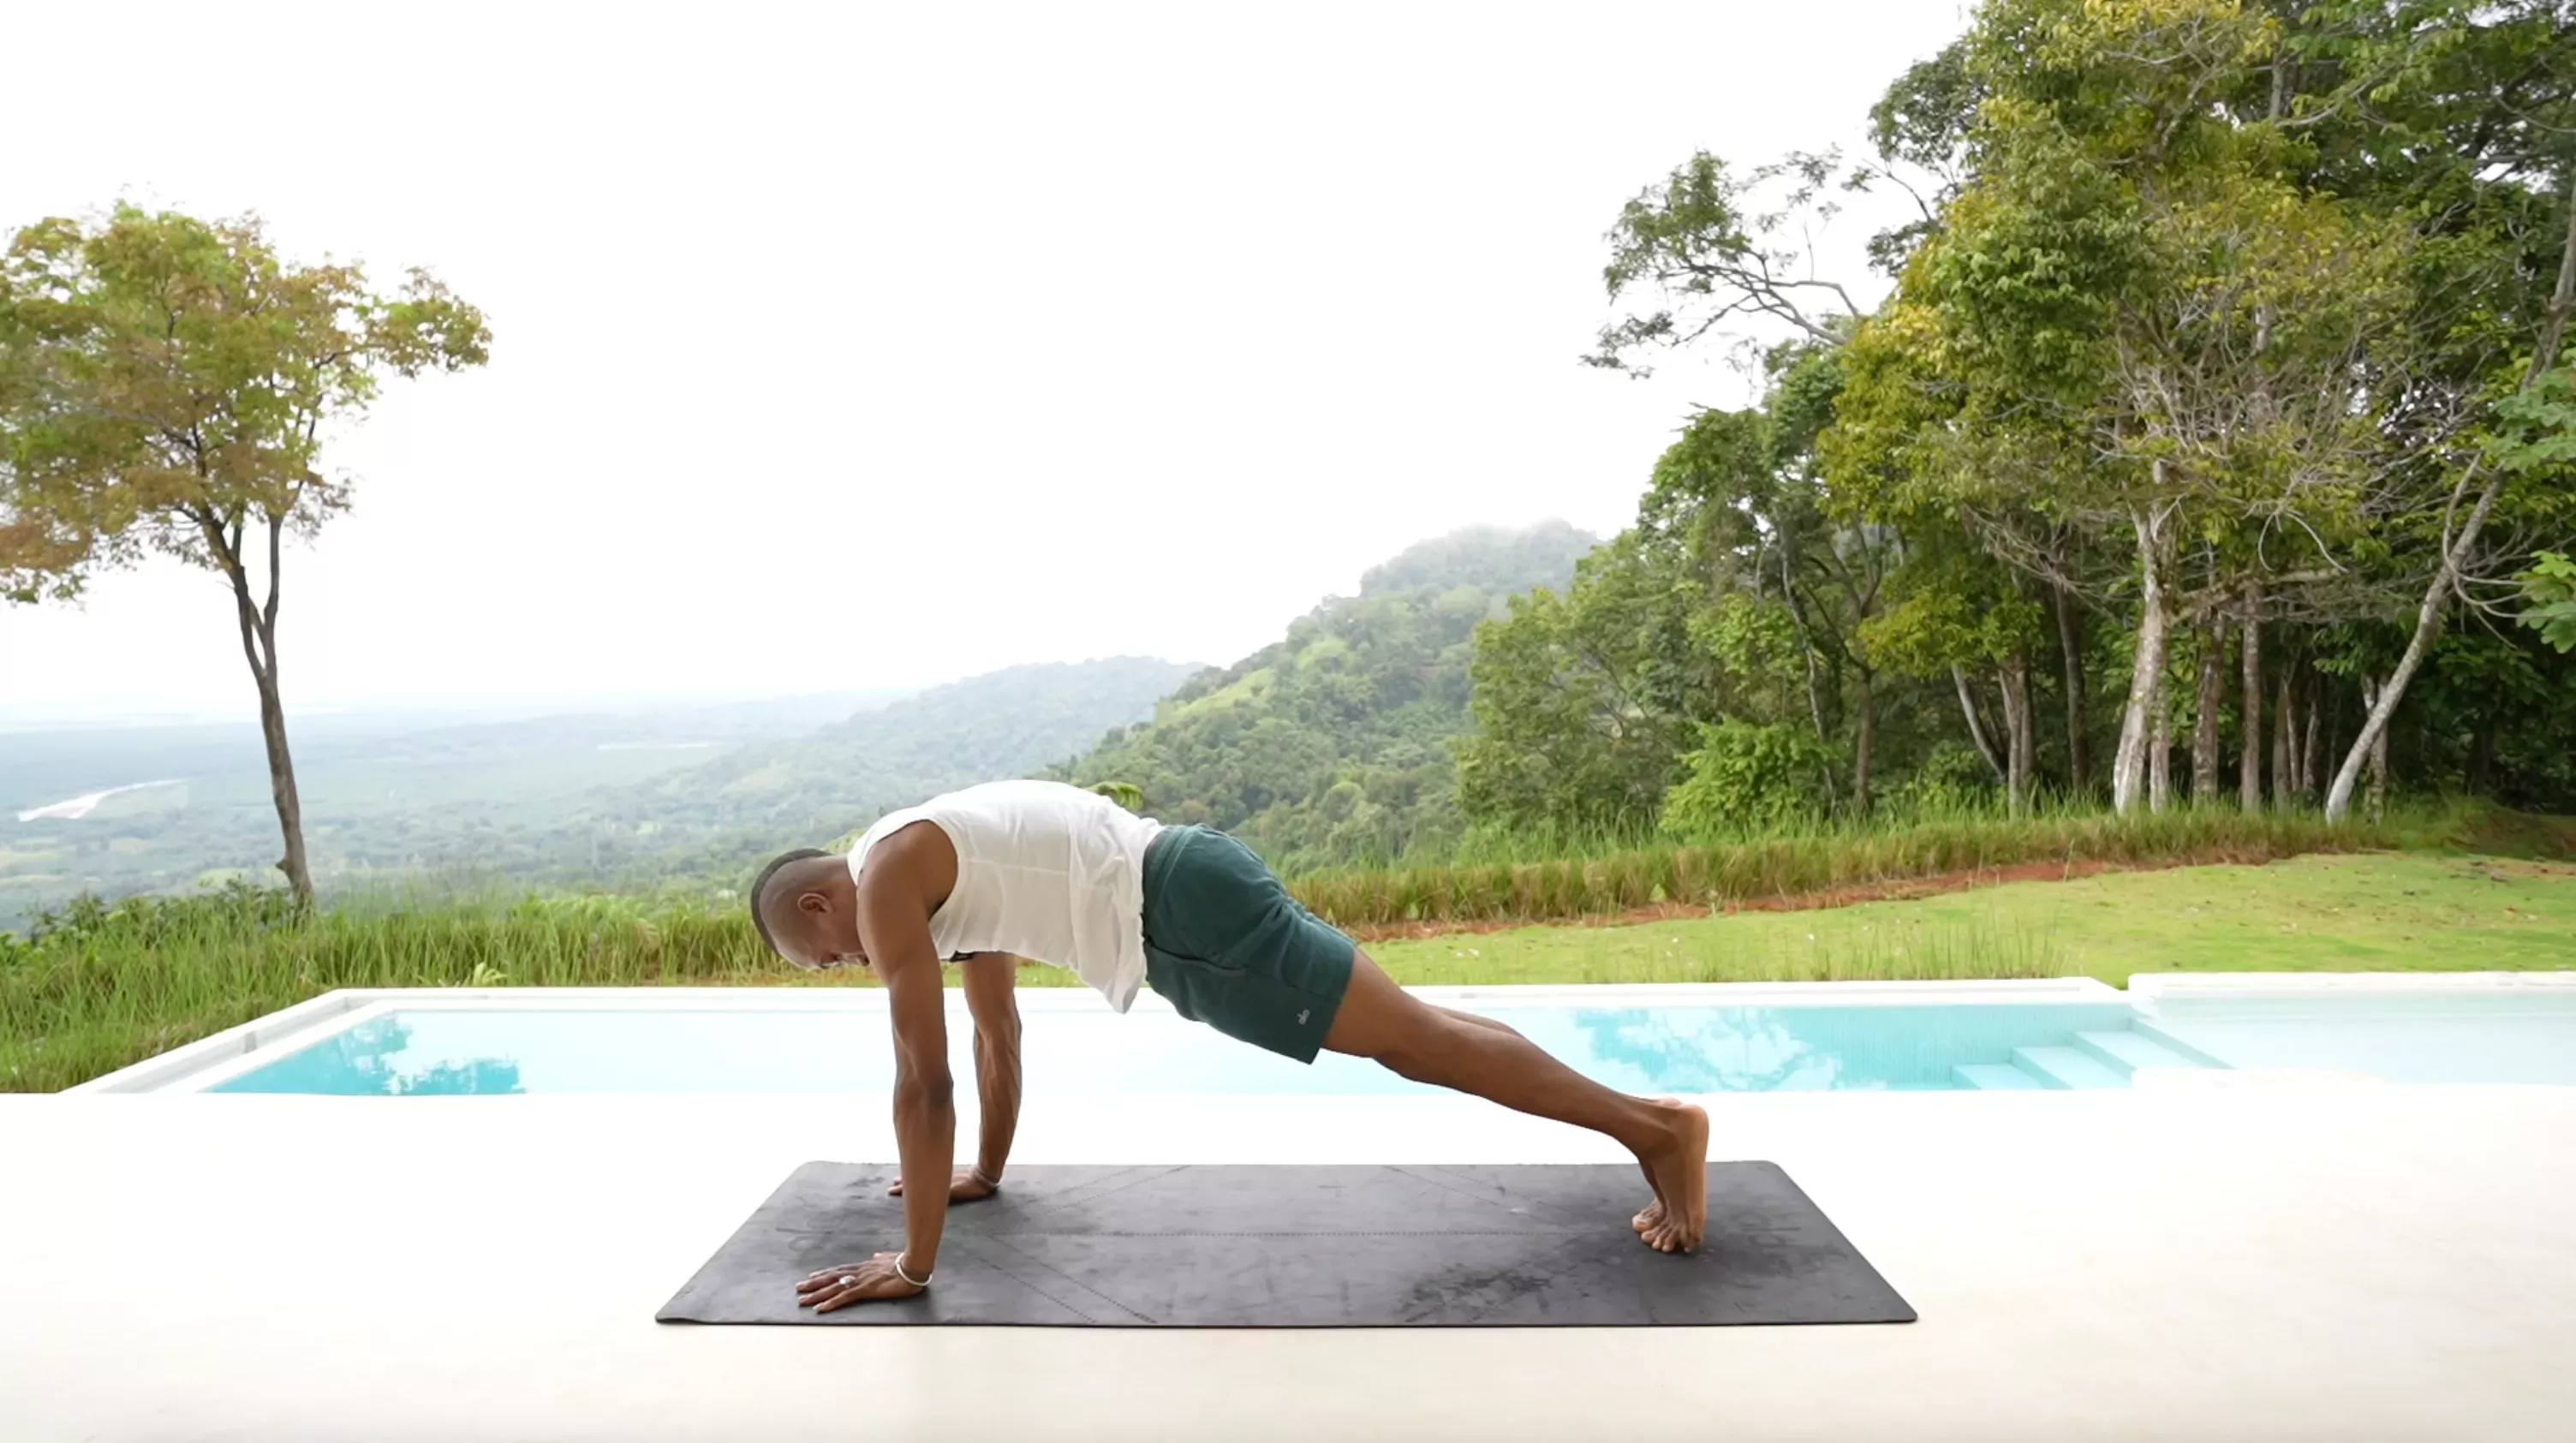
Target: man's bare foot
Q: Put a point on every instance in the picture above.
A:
(1672, 1223)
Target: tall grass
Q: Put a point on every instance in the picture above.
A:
(1803, 861)
(96, 987)
(1942, 950)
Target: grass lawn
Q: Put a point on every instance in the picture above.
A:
(2415, 911)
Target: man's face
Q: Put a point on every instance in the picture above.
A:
(817, 937)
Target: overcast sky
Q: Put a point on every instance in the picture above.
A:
(842, 348)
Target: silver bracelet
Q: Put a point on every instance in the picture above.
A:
(978, 1173)
(907, 1277)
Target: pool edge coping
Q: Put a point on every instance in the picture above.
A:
(201, 1065)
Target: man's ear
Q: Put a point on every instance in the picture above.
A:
(813, 903)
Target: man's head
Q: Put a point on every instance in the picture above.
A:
(806, 908)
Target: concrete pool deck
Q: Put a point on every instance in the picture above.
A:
(2223, 1259)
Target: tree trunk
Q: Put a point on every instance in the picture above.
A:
(2371, 743)
(2070, 644)
(2308, 742)
(2138, 727)
(2204, 730)
(281, 780)
(2285, 766)
(2021, 739)
(2160, 752)
(1976, 727)
(2330, 702)
(2379, 773)
(2249, 722)
(259, 647)
(1807, 651)
(1862, 737)
(2372, 740)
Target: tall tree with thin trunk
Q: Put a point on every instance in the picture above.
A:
(2070, 648)
(2545, 414)
(172, 383)
(2249, 718)
(2205, 704)
(2285, 741)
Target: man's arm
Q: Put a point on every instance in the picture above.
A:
(894, 927)
(992, 995)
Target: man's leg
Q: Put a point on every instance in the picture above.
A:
(1653, 1212)
(1485, 1057)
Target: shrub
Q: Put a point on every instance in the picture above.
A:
(1747, 778)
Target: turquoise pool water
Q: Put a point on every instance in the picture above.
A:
(1639, 1049)
(1680, 1048)
(2466, 1039)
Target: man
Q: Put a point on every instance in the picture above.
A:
(1057, 874)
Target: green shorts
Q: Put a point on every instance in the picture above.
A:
(1226, 945)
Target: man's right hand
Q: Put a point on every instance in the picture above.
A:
(963, 1186)
(880, 1277)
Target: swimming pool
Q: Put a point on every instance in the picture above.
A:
(1094, 1053)
(2064, 1034)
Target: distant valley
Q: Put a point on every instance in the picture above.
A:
(1328, 746)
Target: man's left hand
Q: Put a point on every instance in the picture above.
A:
(871, 1281)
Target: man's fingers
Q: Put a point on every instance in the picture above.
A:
(826, 1277)
(834, 1293)
(856, 1292)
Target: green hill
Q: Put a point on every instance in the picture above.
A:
(1332, 744)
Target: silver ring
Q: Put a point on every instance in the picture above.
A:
(849, 1280)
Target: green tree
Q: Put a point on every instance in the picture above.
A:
(170, 384)
(1955, 612)
(1584, 701)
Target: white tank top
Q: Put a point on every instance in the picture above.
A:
(1045, 871)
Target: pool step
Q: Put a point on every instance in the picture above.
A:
(2125, 1052)
(1994, 1077)
(2066, 1067)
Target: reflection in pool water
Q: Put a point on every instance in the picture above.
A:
(365, 1061)
(428, 1052)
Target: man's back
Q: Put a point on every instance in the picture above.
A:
(1045, 871)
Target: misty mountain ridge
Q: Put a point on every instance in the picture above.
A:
(1332, 744)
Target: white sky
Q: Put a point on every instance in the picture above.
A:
(841, 348)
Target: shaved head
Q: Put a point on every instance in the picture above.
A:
(792, 902)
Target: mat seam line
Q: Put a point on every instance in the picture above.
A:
(1542, 1230)
(1455, 1189)
(1068, 1277)
(1041, 1292)
(1076, 1196)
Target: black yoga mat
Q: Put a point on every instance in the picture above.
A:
(1303, 1247)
